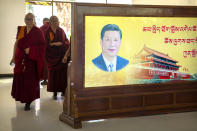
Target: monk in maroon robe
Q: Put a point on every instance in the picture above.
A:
(44, 27)
(57, 52)
(28, 58)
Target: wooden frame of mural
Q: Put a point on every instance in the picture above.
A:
(121, 100)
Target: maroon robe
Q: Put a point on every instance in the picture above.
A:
(43, 29)
(57, 71)
(28, 70)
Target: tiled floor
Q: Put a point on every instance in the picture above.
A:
(45, 112)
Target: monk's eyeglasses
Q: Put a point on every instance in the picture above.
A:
(29, 19)
(55, 21)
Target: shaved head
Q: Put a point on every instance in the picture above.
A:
(30, 15)
(54, 21)
(29, 19)
(45, 20)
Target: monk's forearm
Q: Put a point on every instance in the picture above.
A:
(14, 50)
(56, 44)
(67, 52)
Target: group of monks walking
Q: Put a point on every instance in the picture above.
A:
(34, 49)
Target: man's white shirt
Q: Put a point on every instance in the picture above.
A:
(108, 64)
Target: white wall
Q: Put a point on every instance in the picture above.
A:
(12, 14)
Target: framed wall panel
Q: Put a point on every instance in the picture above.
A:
(169, 86)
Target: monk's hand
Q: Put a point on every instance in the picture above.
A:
(51, 44)
(64, 60)
(56, 44)
(12, 62)
(27, 51)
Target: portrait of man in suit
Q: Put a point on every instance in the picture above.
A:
(108, 60)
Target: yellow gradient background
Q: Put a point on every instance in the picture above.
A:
(133, 40)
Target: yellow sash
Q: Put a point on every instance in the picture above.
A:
(21, 33)
(51, 36)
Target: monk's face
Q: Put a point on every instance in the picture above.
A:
(55, 22)
(29, 20)
(45, 22)
(111, 43)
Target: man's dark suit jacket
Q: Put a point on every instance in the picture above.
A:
(100, 63)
